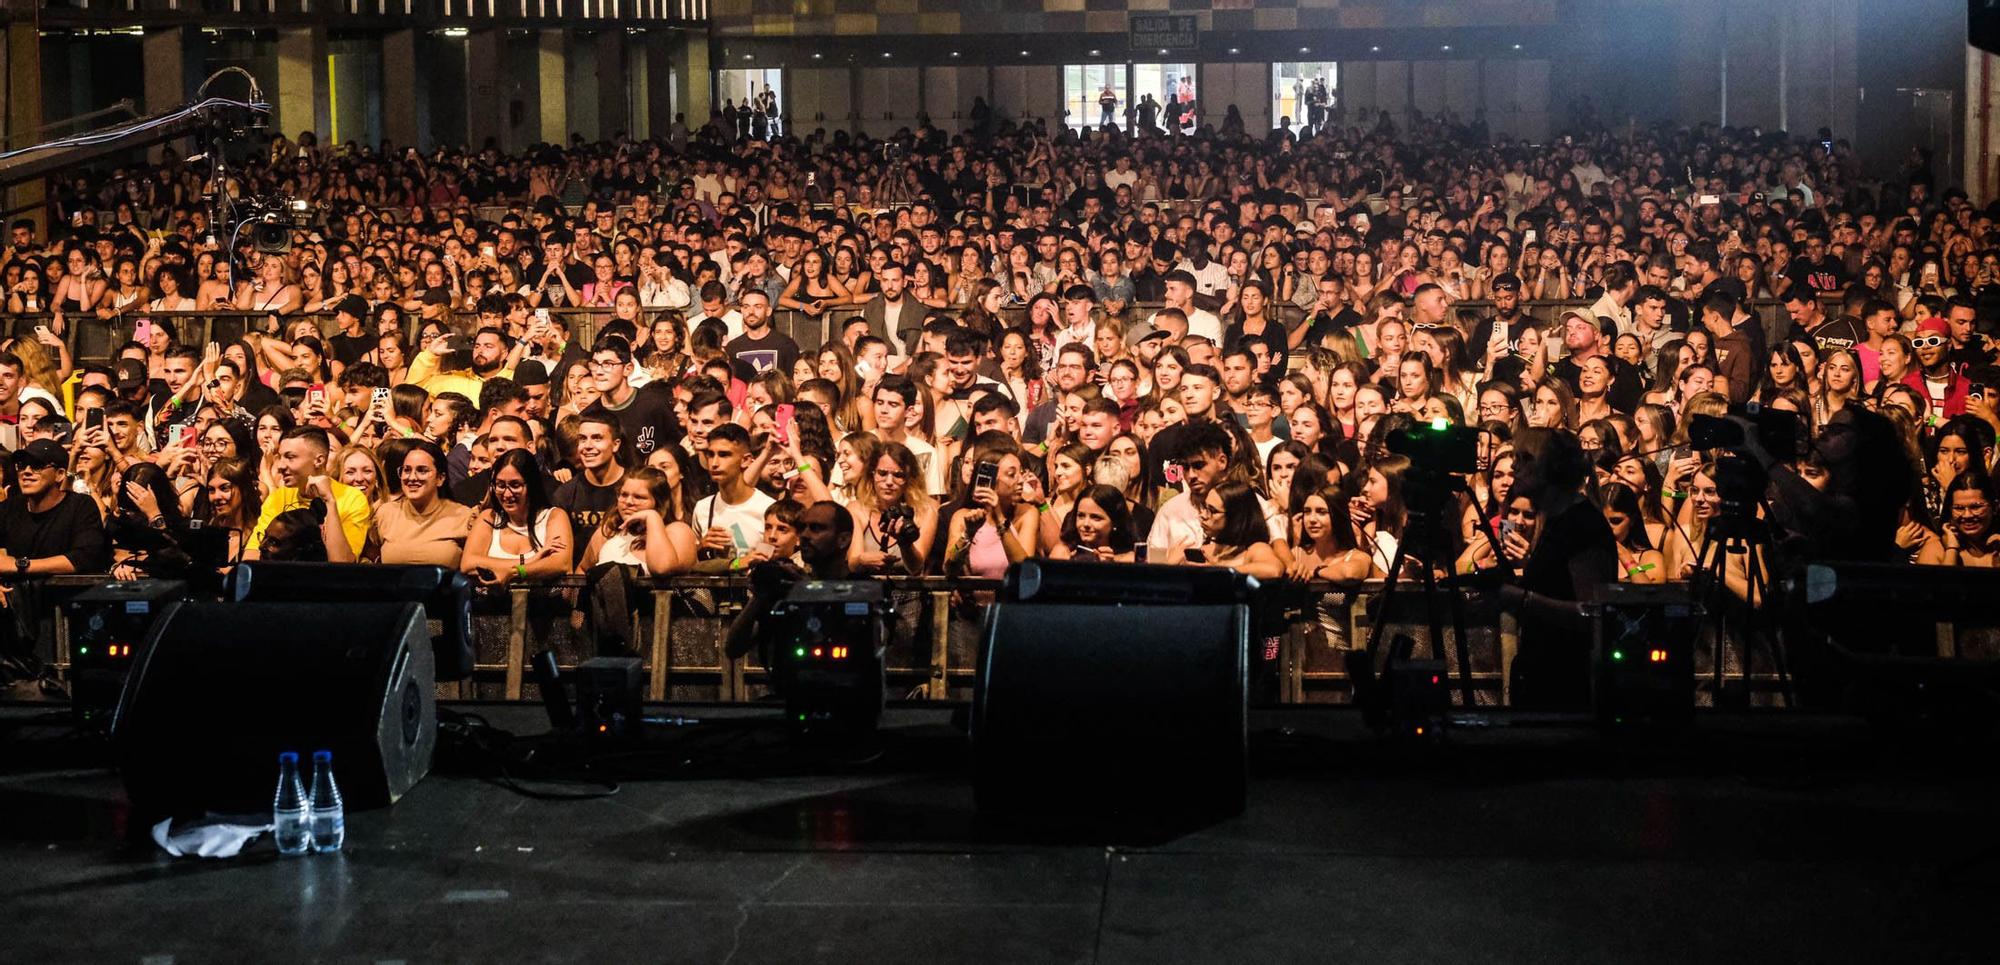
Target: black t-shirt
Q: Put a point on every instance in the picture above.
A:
(1824, 275)
(1148, 286)
(1844, 331)
(647, 419)
(1319, 325)
(751, 357)
(1628, 384)
(1551, 670)
(348, 349)
(73, 529)
(586, 504)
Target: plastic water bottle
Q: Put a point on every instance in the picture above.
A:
(329, 818)
(290, 811)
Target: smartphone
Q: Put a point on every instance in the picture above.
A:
(781, 423)
(489, 251)
(379, 396)
(186, 440)
(316, 395)
(542, 315)
(1196, 554)
(42, 331)
(985, 475)
(1171, 471)
(93, 419)
(1528, 236)
(142, 332)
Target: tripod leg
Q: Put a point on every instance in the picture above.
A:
(1374, 669)
(1436, 624)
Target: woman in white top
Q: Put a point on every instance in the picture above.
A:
(645, 529)
(518, 534)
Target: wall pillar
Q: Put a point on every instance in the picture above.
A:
(614, 114)
(552, 64)
(693, 79)
(24, 113)
(303, 90)
(403, 96)
(485, 109)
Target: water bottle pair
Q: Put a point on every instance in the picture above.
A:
(308, 822)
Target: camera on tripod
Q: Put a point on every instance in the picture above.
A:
(1740, 481)
(1436, 449)
(1777, 430)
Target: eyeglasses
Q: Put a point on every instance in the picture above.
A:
(1928, 341)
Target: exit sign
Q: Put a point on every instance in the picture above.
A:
(1164, 31)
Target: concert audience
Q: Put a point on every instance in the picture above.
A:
(1199, 354)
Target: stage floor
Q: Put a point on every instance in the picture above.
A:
(1757, 839)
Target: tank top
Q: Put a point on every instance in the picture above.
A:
(540, 535)
(987, 557)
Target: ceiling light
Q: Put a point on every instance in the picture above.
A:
(1375, 49)
(1446, 48)
(1305, 50)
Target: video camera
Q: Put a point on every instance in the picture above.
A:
(1437, 447)
(1778, 431)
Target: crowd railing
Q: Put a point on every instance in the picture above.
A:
(933, 650)
(92, 338)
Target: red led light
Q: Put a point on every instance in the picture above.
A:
(1434, 678)
(1657, 656)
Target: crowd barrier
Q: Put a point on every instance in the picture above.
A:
(933, 651)
(93, 339)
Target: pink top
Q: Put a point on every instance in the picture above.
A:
(987, 557)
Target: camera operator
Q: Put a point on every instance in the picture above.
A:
(1565, 554)
(1848, 507)
(826, 530)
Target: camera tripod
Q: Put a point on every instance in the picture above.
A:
(1424, 527)
(1749, 537)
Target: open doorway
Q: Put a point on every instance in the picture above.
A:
(1305, 93)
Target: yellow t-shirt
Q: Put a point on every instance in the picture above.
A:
(355, 513)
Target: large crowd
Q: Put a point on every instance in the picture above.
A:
(1039, 343)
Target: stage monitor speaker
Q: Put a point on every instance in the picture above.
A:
(1093, 710)
(446, 596)
(219, 689)
(1982, 24)
(1068, 581)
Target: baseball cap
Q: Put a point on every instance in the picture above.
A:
(1141, 332)
(1935, 326)
(131, 374)
(353, 305)
(40, 453)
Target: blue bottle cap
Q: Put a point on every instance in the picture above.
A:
(322, 757)
(288, 757)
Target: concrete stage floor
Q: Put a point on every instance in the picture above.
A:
(1755, 839)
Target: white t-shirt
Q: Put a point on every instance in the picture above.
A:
(744, 520)
(928, 461)
(1177, 525)
(1210, 280)
(1200, 322)
(732, 320)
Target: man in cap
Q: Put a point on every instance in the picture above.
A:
(353, 342)
(1941, 383)
(47, 528)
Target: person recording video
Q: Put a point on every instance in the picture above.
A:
(1565, 551)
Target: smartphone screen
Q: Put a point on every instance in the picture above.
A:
(316, 395)
(782, 422)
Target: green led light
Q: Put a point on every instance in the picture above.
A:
(1617, 654)
(1440, 424)
(83, 650)
(802, 651)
